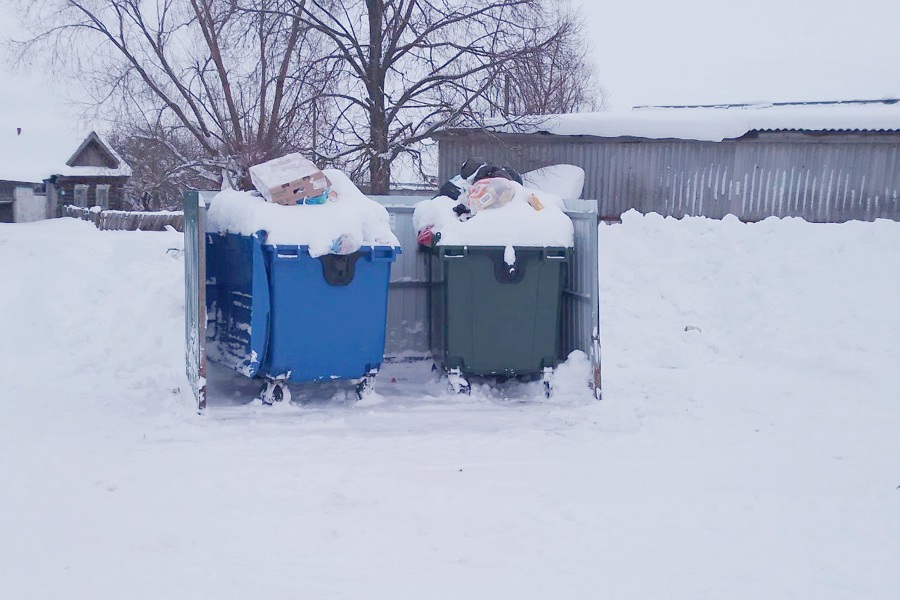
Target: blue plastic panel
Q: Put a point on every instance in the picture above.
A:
(319, 331)
(237, 301)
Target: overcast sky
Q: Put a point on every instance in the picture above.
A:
(50, 128)
(710, 51)
(647, 52)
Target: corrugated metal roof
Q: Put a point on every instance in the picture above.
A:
(715, 123)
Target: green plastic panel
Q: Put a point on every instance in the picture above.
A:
(490, 318)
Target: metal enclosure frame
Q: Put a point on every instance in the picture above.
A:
(195, 294)
(408, 318)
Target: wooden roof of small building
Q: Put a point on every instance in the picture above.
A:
(95, 158)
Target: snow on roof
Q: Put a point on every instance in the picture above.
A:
(717, 123)
(122, 170)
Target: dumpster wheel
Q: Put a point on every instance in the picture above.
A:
(274, 391)
(366, 385)
(547, 378)
(458, 383)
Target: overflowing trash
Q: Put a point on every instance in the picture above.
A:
(339, 219)
(490, 193)
(290, 180)
(472, 170)
(488, 205)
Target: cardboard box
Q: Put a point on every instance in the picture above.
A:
(289, 180)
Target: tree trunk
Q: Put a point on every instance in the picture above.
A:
(379, 163)
(380, 174)
(380, 159)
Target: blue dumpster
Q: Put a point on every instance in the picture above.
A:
(277, 313)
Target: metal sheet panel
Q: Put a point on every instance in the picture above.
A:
(407, 317)
(238, 301)
(580, 301)
(195, 295)
(581, 296)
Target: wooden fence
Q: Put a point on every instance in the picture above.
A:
(126, 220)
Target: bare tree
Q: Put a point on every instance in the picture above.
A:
(164, 163)
(411, 68)
(352, 83)
(237, 79)
(559, 79)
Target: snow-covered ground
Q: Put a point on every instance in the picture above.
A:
(747, 445)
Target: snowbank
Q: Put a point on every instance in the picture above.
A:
(565, 181)
(353, 218)
(777, 292)
(514, 224)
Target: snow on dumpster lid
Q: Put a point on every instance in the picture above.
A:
(353, 220)
(717, 123)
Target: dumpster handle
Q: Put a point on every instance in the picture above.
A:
(556, 253)
(454, 252)
(283, 252)
(383, 253)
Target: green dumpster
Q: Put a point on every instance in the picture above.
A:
(490, 318)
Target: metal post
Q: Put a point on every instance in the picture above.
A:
(195, 295)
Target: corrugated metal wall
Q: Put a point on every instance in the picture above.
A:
(823, 177)
(581, 300)
(407, 319)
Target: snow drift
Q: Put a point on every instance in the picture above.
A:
(746, 446)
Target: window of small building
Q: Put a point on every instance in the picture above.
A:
(103, 196)
(81, 195)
